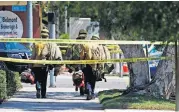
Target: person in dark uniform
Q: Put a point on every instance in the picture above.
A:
(89, 76)
(40, 70)
(90, 81)
(73, 53)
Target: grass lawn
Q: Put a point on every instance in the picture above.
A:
(112, 99)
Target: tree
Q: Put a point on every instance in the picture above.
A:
(154, 21)
(76, 9)
(145, 21)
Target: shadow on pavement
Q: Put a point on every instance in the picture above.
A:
(47, 106)
(50, 95)
(27, 101)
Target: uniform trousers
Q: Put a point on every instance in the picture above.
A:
(41, 77)
(90, 79)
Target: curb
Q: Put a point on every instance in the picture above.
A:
(135, 110)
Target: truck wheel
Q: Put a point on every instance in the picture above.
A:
(3, 65)
(82, 91)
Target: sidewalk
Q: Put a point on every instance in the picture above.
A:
(59, 100)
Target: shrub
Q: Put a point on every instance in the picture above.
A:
(9, 83)
(17, 81)
(3, 90)
(13, 82)
(64, 36)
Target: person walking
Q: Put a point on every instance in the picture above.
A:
(40, 70)
(83, 52)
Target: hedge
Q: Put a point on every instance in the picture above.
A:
(3, 90)
(64, 36)
(9, 83)
(13, 82)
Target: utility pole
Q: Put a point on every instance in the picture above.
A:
(176, 77)
(51, 20)
(147, 55)
(29, 21)
(117, 65)
(66, 30)
(116, 56)
(57, 22)
(121, 66)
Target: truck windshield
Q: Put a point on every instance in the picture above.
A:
(14, 45)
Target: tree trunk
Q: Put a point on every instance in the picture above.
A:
(138, 70)
(164, 81)
(163, 84)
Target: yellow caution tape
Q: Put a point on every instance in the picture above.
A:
(109, 47)
(63, 51)
(81, 61)
(116, 51)
(112, 46)
(110, 50)
(70, 41)
(64, 46)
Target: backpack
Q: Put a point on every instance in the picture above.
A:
(38, 48)
(86, 52)
(36, 53)
(78, 77)
(27, 77)
(93, 52)
(107, 52)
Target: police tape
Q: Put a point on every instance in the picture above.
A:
(116, 47)
(71, 41)
(111, 51)
(108, 46)
(81, 61)
(112, 46)
(116, 51)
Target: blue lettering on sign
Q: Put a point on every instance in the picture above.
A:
(19, 8)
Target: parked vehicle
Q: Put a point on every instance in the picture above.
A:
(15, 50)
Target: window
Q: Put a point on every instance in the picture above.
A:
(13, 45)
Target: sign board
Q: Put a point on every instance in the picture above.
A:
(8, 3)
(76, 24)
(93, 29)
(10, 25)
(21, 8)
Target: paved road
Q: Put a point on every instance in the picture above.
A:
(61, 99)
(113, 82)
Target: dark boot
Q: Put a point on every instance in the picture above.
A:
(38, 88)
(82, 91)
(86, 89)
(44, 96)
(89, 96)
(43, 93)
(93, 96)
(76, 88)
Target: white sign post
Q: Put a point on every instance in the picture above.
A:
(10, 25)
(76, 24)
